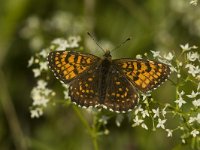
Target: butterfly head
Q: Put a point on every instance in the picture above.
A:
(107, 55)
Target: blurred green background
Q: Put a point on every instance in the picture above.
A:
(27, 26)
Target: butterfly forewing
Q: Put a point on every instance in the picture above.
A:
(145, 75)
(67, 65)
(121, 95)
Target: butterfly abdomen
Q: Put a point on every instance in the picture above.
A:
(103, 78)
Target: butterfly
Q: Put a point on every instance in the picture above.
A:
(106, 83)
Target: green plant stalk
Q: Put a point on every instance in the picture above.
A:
(92, 130)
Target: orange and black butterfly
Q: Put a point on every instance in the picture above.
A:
(103, 82)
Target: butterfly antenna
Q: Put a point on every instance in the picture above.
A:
(95, 41)
(117, 47)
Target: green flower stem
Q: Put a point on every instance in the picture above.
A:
(92, 130)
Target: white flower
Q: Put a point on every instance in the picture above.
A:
(137, 121)
(66, 95)
(192, 119)
(36, 72)
(145, 113)
(161, 123)
(104, 119)
(62, 43)
(180, 102)
(44, 53)
(194, 133)
(74, 40)
(185, 47)
(30, 62)
(196, 103)
(42, 101)
(192, 56)
(183, 141)
(41, 84)
(169, 56)
(37, 60)
(138, 56)
(180, 93)
(169, 132)
(156, 53)
(106, 132)
(36, 113)
(44, 65)
(194, 2)
(138, 109)
(156, 112)
(164, 112)
(193, 94)
(144, 126)
(193, 70)
(119, 119)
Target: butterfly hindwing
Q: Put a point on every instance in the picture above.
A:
(121, 95)
(67, 65)
(84, 90)
(145, 75)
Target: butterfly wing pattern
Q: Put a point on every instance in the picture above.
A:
(121, 95)
(68, 65)
(143, 74)
(103, 82)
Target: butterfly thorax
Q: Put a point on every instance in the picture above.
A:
(104, 75)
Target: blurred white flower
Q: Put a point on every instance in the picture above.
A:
(193, 70)
(44, 53)
(169, 132)
(43, 65)
(138, 109)
(194, 2)
(180, 102)
(144, 126)
(155, 53)
(137, 121)
(30, 61)
(161, 123)
(192, 56)
(119, 120)
(145, 113)
(193, 94)
(192, 119)
(194, 133)
(66, 95)
(180, 93)
(169, 56)
(183, 141)
(36, 72)
(36, 113)
(185, 47)
(62, 43)
(41, 84)
(196, 103)
(104, 119)
(138, 56)
(156, 112)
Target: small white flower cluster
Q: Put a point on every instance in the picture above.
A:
(40, 94)
(155, 114)
(194, 2)
(187, 61)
